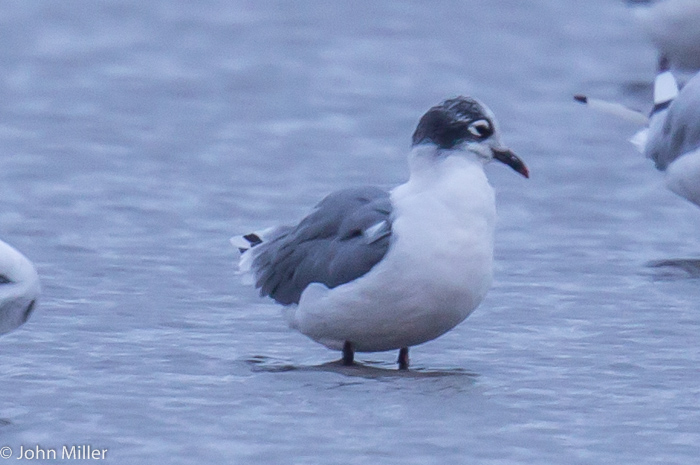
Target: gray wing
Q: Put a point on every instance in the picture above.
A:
(342, 239)
(680, 130)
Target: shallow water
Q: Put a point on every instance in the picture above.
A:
(137, 137)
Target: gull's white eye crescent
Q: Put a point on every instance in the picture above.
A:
(480, 128)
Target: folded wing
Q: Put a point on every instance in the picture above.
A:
(342, 239)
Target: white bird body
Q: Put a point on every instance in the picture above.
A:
(436, 272)
(19, 288)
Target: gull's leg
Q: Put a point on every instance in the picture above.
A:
(348, 354)
(403, 358)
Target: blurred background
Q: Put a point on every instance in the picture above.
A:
(137, 137)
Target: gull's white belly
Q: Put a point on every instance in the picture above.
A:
(395, 305)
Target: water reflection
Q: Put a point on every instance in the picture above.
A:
(362, 369)
(675, 268)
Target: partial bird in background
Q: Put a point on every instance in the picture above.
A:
(674, 28)
(19, 288)
(671, 136)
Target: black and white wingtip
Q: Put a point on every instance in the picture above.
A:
(246, 241)
(245, 244)
(612, 108)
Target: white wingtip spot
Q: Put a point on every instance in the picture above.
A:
(665, 88)
(239, 242)
(639, 140)
(376, 232)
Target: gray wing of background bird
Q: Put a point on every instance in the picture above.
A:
(342, 239)
(680, 131)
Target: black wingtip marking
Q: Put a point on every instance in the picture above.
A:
(253, 238)
(660, 107)
(581, 98)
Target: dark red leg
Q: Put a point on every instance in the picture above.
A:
(403, 358)
(348, 354)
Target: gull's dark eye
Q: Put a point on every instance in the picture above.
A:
(481, 129)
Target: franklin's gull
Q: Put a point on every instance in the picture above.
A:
(370, 270)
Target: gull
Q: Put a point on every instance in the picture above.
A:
(19, 288)
(370, 270)
(671, 137)
(674, 28)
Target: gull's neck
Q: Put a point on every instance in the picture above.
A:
(453, 182)
(429, 164)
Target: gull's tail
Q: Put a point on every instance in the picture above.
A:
(245, 242)
(248, 246)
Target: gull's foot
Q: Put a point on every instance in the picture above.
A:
(403, 359)
(348, 354)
